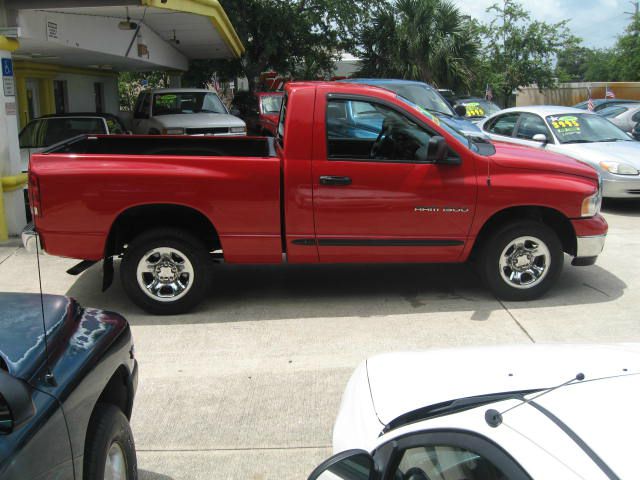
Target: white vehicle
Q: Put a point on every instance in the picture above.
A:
(490, 413)
(582, 135)
(184, 111)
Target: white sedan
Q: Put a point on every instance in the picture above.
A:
(490, 414)
(585, 136)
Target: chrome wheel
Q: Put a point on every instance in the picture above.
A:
(525, 262)
(165, 274)
(115, 467)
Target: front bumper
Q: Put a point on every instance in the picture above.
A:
(590, 246)
(621, 188)
(30, 238)
(591, 234)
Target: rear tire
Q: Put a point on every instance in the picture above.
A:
(109, 448)
(166, 271)
(522, 260)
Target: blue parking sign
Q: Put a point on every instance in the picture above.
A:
(7, 67)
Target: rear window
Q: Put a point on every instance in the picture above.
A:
(271, 104)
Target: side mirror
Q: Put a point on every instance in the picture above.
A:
(438, 152)
(16, 405)
(235, 111)
(540, 137)
(460, 110)
(348, 465)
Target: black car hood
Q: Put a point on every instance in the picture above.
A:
(22, 345)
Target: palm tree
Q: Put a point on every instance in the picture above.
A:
(427, 40)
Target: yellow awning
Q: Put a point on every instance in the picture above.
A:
(206, 8)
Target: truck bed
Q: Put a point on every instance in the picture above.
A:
(201, 146)
(88, 182)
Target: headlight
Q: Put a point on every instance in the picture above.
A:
(238, 130)
(591, 205)
(619, 168)
(173, 131)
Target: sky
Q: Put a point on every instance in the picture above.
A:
(597, 22)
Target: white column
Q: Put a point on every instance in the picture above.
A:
(10, 156)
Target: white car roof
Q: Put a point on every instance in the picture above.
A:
(545, 110)
(403, 382)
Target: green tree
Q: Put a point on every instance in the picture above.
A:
(428, 40)
(626, 61)
(303, 38)
(130, 84)
(518, 51)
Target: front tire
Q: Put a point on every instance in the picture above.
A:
(166, 271)
(522, 261)
(110, 453)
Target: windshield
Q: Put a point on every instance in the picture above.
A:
(613, 111)
(479, 108)
(584, 128)
(45, 132)
(271, 104)
(186, 102)
(421, 95)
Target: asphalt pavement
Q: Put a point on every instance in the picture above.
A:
(248, 385)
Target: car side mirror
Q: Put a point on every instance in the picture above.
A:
(438, 152)
(540, 137)
(16, 404)
(460, 110)
(235, 111)
(348, 465)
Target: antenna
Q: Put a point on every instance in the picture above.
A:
(494, 417)
(48, 375)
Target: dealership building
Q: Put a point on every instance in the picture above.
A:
(64, 56)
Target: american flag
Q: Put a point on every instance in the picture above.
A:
(590, 105)
(608, 93)
(488, 94)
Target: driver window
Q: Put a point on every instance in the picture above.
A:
(444, 462)
(361, 130)
(531, 125)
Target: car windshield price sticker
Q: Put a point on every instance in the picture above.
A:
(429, 115)
(567, 125)
(474, 110)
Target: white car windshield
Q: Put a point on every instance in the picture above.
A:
(172, 103)
(584, 128)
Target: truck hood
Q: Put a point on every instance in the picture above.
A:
(594, 153)
(22, 340)
(69, 327)
(199, 120)
(510, 155)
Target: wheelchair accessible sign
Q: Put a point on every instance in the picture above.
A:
(8, 84)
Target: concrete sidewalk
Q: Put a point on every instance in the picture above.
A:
(248, 385)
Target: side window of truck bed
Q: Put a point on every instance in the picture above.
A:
(368, 131)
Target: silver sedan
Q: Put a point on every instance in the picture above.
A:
(584, 136)
(625, 115)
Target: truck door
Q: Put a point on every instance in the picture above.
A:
(373, 199)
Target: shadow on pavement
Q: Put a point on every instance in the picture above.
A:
(146, 475)
(250, 293)
(622, 206)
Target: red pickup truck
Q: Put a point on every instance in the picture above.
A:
(355, 174)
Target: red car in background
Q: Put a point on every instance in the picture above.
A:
(259, 110)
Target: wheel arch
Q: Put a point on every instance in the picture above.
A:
(551, 217)
(136, 220)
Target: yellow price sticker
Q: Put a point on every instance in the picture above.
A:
(474, 110)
